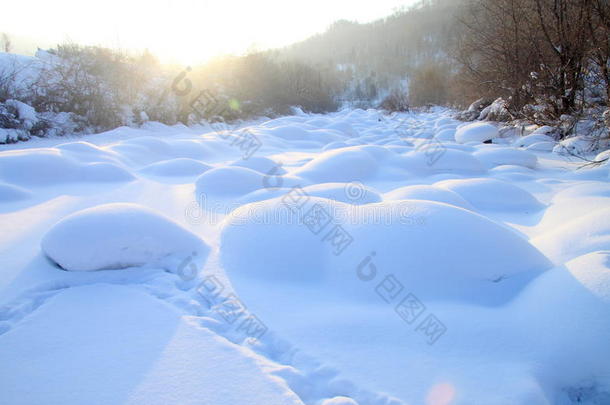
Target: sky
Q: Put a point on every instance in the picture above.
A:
(181, 31)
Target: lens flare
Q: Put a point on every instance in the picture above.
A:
(441, 394)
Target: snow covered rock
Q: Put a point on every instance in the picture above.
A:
(276, 245)
(476, 132)
(117, 236)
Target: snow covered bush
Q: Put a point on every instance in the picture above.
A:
(20, 121)
(496, 111)
(106, 87)
(397, 100)
(474, 110)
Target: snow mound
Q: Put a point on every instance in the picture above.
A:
(335, 145)
(86, 152)
(529, 140)
(576, 237)
(349, 193)
(513, 173)
(443, 122)
(476, 132)
(104, 172)
(260, 164)
(506, 156)
(271, 242)
(82, 147)
(289, 132)
(117, 236)
(577, 145)
(582, 190)
(603, 156)
(10, 193)
(492, 194)
(339, 401)
(229, 181)
(439, 159)
(176, 168)
(343, 127)
(339, 166)
(593, 272)
(151, 145)
(542, 146)
(48, 166)
(429, 193)
(568, 300)
(446, 135)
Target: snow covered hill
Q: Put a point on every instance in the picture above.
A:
(339, 259)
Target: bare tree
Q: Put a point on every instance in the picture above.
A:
(531, 51)
(493, 49)
(559, 32)
(599, 29)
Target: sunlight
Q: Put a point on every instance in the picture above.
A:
(184, 31)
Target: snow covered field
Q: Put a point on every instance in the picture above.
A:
(340, 259)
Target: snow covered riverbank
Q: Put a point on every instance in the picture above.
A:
(339, 259)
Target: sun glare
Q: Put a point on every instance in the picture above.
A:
(184, 31)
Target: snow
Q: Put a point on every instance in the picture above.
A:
(9, 192)
(445, 135)
(429, 193)
(229, 181)
(49, 166)
(576, 237)
(492, 194)
(578, 145)
(118, 236)
(179, 167)
(534, 138)
(476, 132)
(26, 113)
(194, 365)
(421, 226)
(350, 258)
(506, 156)
(339, 165)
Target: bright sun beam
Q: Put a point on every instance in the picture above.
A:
(184, 31)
